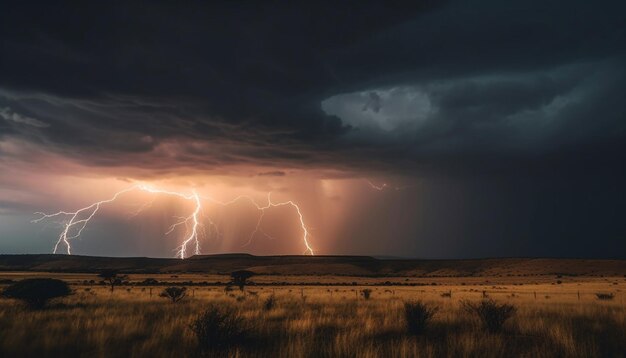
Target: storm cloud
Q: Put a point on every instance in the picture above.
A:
(455, 92)
(116, 79)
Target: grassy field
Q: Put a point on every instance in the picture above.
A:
(552, 319)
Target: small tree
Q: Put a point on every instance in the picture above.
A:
(112, 278)
(36, 292)
(240, 277)
(418, 315)
(491, 314)
(174, 293)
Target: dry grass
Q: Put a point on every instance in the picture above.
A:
(321, 321)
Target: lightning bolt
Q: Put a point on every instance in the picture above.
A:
(384, 186)
(269, 205)
(262, 208)
(78, 220)
(193, 234)
(75, 221)
(376, 187)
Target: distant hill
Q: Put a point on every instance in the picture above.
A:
(318, 265)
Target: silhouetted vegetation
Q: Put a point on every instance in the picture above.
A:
(240, 278)
(174, 294)
(150, 282)
(269, 303)
(418, 315)
(36, 292)
(218, 328)
(112, 278)
(366, 293)
(492, 315)
(605, 296)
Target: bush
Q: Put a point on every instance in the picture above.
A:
(492, 314)
(366, 293)
(150, 282)
(605, 296)
(269, 303)
(218, 328)
(175, 294)
(418, 316)
(36, 292)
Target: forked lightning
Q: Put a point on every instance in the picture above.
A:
(76, 221)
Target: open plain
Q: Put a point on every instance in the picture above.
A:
(324, 315)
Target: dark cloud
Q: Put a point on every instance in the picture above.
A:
(276, 173)
(489, 91)
(123, 78)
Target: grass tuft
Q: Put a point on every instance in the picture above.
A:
(418, 315)
(217, 328)
(493, 315)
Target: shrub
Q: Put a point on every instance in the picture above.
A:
(418, 316)
(36, 292)
(150, 281)
(492, 314)
(605, 296)
(366, 293)
(175, 294)
(269, 303)
(218, 328)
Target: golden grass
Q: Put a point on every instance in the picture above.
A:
(330, 321)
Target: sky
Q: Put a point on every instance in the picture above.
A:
(435, 129)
